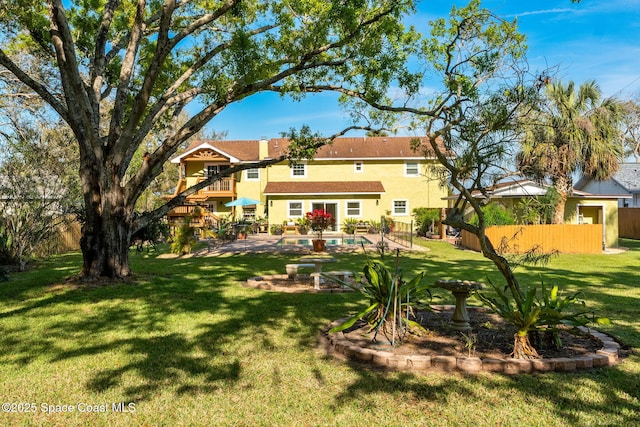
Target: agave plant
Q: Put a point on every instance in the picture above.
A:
(533, 314)
(391, 299)
(523, 313)
(554, 312)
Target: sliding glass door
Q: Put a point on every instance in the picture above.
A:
(332, 208)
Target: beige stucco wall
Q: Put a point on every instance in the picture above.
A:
(589, 209)
(423, 190)
(420, 191)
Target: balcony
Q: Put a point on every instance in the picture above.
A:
(221, 188)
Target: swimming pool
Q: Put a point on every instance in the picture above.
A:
(356, 240)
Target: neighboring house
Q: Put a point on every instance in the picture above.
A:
(581, 207)
(363, 178)
(625, 181)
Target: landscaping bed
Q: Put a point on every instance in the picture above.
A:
(486, 347)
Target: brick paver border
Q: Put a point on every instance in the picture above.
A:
(336, 344)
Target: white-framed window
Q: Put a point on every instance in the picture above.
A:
(358, 167)
(252, 174)
(354, 208)
(294, 209)
(299, 170)
(400, 207)
(411, 168)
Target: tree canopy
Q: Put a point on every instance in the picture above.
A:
(116, 72)
(572, 130)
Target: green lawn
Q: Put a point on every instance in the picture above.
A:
(187, 345)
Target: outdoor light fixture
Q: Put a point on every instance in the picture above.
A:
(271, 203)
(377, 202)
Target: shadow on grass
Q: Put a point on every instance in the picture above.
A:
(611, 396)
(187, 324)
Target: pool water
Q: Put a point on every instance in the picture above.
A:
(356, 240)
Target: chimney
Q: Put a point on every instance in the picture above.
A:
(263, 148)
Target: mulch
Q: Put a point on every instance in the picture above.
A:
(490, 337)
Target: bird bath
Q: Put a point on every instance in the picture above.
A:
(461, 289)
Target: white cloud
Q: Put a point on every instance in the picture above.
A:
(542, 12)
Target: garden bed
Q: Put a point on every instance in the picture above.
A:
(487, 347)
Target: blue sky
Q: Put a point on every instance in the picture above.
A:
(591, 40)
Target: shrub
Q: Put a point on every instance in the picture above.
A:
(154, 232)
(349, 225)
(303, 224)
(374, 226)
(538, 209)
(495, 214)
(426, 218)
(385, 290)
(184, 239)
(276, 229)
(533, 316)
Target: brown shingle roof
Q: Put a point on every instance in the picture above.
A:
(247, 151)
(387, 147)
(324, 187)
(381, 147)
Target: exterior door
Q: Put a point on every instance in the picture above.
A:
(332, 208)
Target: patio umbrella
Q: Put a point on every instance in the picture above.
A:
(243, 201)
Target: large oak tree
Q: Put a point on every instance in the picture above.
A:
(140, 64)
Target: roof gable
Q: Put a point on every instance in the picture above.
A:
(235, 151)
(627, 176)
(530, 188)
(519, 189)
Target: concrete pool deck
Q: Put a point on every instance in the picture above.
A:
(261, 243)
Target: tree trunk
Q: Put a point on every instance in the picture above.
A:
(522, 348)
(106, 231)
(563, 186)
(558, 214)
(105, 248)
(487, 249)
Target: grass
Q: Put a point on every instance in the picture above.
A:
(188, 346)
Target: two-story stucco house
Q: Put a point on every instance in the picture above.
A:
(363, 178)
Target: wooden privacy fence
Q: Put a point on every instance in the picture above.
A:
(565, 238)
(629, 223)
(66, 238)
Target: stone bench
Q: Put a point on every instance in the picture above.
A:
(292, 269)
(342, 275)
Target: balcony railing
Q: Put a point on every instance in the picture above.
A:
(225, 185)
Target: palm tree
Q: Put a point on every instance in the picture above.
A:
(572, 131)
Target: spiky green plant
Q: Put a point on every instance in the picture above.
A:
(556, 311)
(388, 294)
(522, 313)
